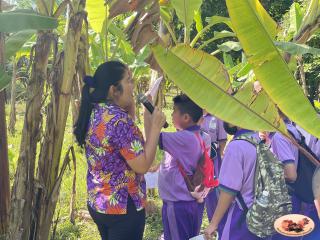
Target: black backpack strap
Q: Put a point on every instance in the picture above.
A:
(242, 203)
(244, 207)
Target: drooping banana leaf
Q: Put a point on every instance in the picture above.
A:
(205, 80)
(219, 19)
(296, 16)
(185, 10)
(217, 35)
(227, 60)
(230, 46)
(96, 14)
(198, 20)
(15, 21)
(4, 79)
(258, 101)
(269, 24)
(297, 49)
(16, 41)
(269, 66)
(309, 22)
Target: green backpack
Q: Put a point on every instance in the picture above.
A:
(269, 178)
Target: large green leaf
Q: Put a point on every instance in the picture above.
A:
(217, 35)
(96, 14)
(268, 23)
(270, 68)
(296, 16)
(117, 32)
(310, 19)
(16, 21)
(297, 49)
(185, 10)
(204, 78)
(198, 20)
(4, 79)
(15, 42)
(218, 19)
(230, 46)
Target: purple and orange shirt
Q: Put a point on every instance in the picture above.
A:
(112, 140)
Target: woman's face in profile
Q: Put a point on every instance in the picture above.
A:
(126, 99)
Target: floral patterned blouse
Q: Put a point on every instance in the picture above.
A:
(112, 140)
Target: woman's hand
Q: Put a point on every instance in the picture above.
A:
(210, 231)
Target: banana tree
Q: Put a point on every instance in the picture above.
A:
(4, 163)
(49, 175)
(29, 21)
(23, 186)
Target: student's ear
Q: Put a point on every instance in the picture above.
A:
(186, 117)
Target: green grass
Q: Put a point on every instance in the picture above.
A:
(83, 229)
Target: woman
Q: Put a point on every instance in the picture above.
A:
(116, 152)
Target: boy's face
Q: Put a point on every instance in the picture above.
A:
(180, 121)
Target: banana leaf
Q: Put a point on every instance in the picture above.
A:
(4, 79)
(264, 18)
(230, 46)
(205, 80)
(308, 22)
(16, 21)
(15, 42)
(185, 11)
(217, 35)
(96, 14)
(297, 49)
(219, 19)
(198, 20)
(296, 16)
(269, 66)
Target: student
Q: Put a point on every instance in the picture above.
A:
(288, 154)
(312, 141)
(214, 127)
(236, 176)
(180, 211)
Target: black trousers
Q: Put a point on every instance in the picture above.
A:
(129, 226)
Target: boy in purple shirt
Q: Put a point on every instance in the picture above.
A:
(288, 154)
(180, 211)
(236, 177)
(214, 127)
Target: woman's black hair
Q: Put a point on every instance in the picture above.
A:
(107, 74)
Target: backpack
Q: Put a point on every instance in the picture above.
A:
(202, 177)
(269, 176)
(302, 187)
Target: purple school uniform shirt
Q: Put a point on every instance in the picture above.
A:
(238, 167)
(285, 151)
(182, 145)
(315, 146)
(214, 127)
(237, 175)
(312, 142)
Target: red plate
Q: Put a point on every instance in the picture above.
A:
(308, 228)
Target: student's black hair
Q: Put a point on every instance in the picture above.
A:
(187, 106)
(95, 90)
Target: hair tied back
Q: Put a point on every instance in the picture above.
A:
(90, 81)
